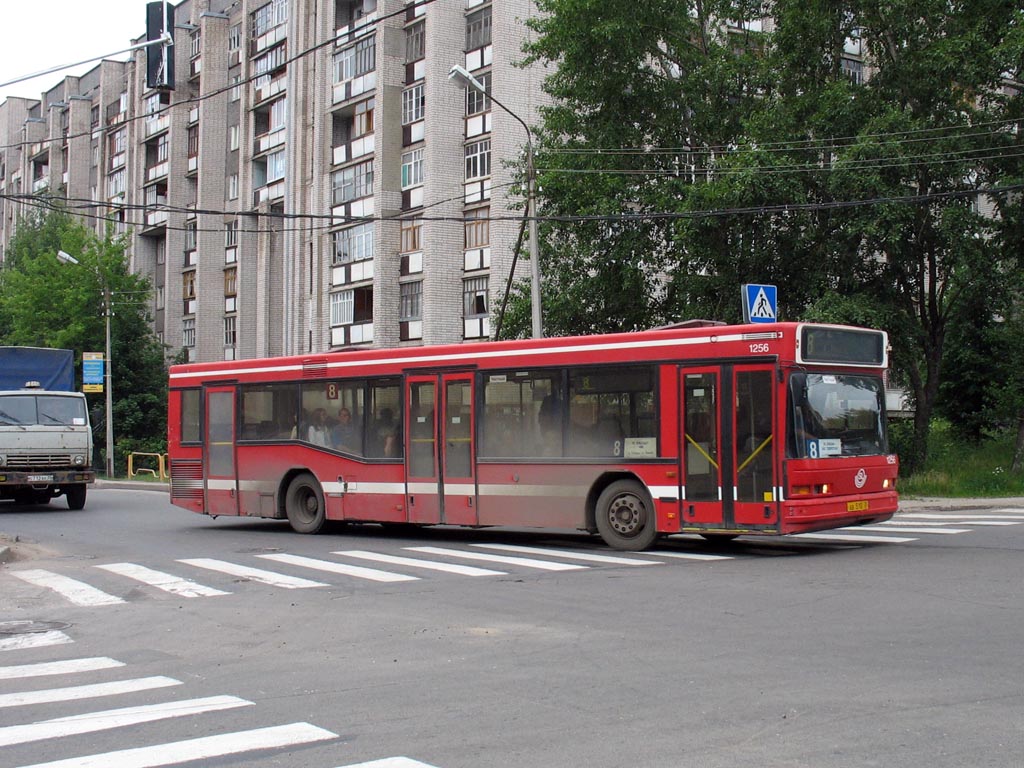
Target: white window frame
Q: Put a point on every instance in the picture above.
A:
(412, 168)
(478, 160)
(412, 104)
(343, 308)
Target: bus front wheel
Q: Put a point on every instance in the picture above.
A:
(75, 496)
(625, 516)
(304, 504)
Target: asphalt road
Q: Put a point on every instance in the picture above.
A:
(899, 647)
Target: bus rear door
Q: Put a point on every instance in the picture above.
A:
(439, 430)
(219, 451)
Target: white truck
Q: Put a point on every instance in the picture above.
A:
(45, 436)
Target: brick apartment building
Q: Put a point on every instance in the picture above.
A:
(313, 181)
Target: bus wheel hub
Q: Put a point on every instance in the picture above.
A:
(626, 515)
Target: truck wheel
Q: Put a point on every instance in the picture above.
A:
(625, 516)
(304, 504)
(75, 495)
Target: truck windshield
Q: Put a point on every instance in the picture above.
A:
(833, 414)
(47, 410)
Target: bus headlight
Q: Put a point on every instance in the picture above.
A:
(3, 460)
(79, 460)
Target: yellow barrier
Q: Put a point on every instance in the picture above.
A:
(160, 472)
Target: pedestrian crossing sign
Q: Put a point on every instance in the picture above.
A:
(760, 303)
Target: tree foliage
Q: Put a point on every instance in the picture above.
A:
(683, 156)
(46, 303)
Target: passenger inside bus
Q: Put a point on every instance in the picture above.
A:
(344, 434)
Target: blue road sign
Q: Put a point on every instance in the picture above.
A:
(760, 303)
(92, 368)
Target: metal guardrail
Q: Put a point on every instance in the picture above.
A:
(160, 472)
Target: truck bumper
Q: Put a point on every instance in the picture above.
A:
(48, 477)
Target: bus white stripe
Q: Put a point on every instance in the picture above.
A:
(95, 690)
(164, 581)
(201, 748)
(34, 640)
(412, 562)
(663, 491)
(67, 667)
(567, 554)
(566, 491)
(74, 591)
(90, 722)
(253, 574)
(357, 571)
(525, 562)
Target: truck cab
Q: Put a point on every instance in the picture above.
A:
(45, 446)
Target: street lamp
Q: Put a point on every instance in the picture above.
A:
(463, 77)
(67, 258)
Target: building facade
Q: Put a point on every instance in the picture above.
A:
(313, 181)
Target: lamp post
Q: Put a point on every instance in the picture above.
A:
(67, 258)
(464, 78)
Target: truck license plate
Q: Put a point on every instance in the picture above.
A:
(40, 478)
(856, 506)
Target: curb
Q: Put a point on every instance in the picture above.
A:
(133, 485)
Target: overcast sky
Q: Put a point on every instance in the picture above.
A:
(75, 30)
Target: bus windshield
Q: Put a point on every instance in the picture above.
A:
(46, 410)
(835, 414)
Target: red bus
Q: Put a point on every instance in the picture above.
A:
(709, 429)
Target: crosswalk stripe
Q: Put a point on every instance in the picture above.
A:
(67, 667)
(390, 762)
(115, 718)
(164, 581)
(685, 555)
(525, 562)
(254, 574)
(277, 736)
(412, 562)
(1011, 511)
(906, 529)
(34, 640)
(959, 517)
(941, 523)
(853, 538)
(95, 690)
(74, 591)
(568, 554)
(356, 571)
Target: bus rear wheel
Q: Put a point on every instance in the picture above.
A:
(625, 516)
(304, 504)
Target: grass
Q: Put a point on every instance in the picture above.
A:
(957, 468)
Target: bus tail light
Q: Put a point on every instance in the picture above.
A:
(808, 490)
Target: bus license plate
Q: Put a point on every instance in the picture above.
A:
(856, 506)
(40, 478)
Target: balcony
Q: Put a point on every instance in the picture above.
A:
(267, 141)
(354, 149)
(352, 210)
(347, 335)
(266, 87)
(155, 125)
(272, 191)
(156, 218)
(40, 184)
(353, 272)
(349, 89)
(157, 171)
(479, 57)
(269, 38)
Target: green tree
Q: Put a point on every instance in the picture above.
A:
(46, 303)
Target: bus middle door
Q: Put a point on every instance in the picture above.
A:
(440, 470)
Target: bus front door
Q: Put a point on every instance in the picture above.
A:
(219, 451)
(439, 434)
(755, 500)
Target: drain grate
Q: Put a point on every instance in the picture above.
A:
(29, 627)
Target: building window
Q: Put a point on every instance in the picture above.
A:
(195, 44)
(352, 183)
(474, 307)
(353, 244)
(161, 251)
(188, 332)
(278, 114)
(231, 281)
(477, 102)
(192, 141)
(275, 166)
(233, 137)
(362, 120)
(236, 87)
(271, 15)
(342, 308)
(272, 61)
(412, 104)
(412, 168)
(230, 335)
(410, 306)
(231, 234)
(233, 186)
(478, 159)
(411, 230)
(478, 29)
(478, 228)
(190, 236)
(188, 286)
(414, 42)
(234, 37)
(355, 61)
(116, 183)
(158, 296)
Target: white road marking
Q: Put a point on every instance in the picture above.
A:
(115, 718)
(74, 591)
(685, 555)
(906, 529)
(567, 554)
(961, 516)
(852, 538)
(67, 667)
(254, 574)
(34, 640)
(357, 571)
(412, 562)
(202, 748)
(74, 693)
(525, 562)
(164, 581)
(952, 521)
(391, 762)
